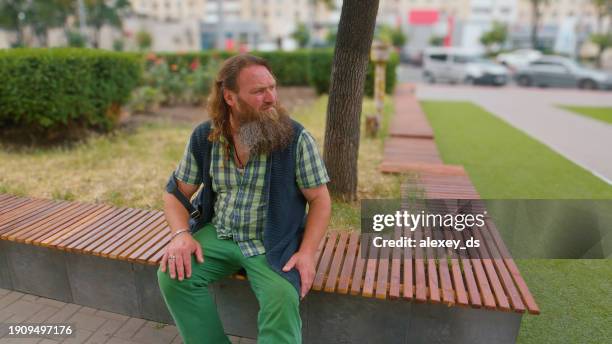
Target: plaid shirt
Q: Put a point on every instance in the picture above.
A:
(240, 209)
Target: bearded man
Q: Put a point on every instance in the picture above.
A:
(261, 170)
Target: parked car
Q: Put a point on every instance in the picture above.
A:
(457, 65)
(560, 71)
(518, 59)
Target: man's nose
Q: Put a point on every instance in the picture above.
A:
(270, 97)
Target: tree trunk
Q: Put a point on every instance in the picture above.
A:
(600, 51)
(96, 37)
(535, 21)
(351, 56)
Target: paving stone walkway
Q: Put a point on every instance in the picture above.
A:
(91, 326)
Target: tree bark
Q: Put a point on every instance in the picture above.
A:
(535, 21)
(342, 129)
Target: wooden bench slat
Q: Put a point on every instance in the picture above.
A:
(332, 278)
(22, 212)
(16, 218)
(148, 237)
(370, 272)
(151, 246)
(33, 215)
(432, 271)
(115, 233)
(147, 220)
(459, 287)
(481, 276)
(86, 238)
(349, 262)
(419, 268)
(55, 239)
(470, 281)
(42, 240)
(10, 199)
(502, 270)
(85, 230)
(106, 229)
(448, 295)
(35, 220)
(132, 238)
(357, 278)
(407, 268)
(396, 265)
(487, 262)
(10, 203)
(422, 167)
(325, 261)
(513, 269)
(66, 218)
(383, 271)
(33, 230)
(320, 249)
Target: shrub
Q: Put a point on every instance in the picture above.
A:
(44, 90)
(145, 99)
(296, 68)
(180, 83)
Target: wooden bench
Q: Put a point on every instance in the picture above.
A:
(411, 150)
(106, 257)
(412, 122)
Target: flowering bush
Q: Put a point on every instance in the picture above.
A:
(146, 99)
(179, 84)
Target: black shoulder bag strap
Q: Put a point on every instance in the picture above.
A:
(198, 145)
(172, 187)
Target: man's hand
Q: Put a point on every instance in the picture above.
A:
(181, 247)
(305, 264)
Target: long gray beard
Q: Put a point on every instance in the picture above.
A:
(266, 135)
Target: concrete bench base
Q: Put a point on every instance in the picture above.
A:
(132, 289)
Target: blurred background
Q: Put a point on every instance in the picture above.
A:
(573, 28)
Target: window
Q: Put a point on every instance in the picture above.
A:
(463, 59)
(438, 57)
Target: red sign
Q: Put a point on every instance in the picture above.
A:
(423, 17)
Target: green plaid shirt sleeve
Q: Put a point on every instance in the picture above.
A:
(187, 169)
(310, 169)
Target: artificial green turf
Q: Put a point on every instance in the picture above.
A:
(600, 113)
(502, 161)
(575, 296)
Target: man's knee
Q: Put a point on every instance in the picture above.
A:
(164, 281)
(279, 297)
(168, 284)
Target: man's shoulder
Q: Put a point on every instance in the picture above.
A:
(199, 137)
(204, 126)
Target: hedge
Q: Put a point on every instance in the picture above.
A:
(55, 88)
(296, 68)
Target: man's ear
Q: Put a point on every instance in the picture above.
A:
(229, 96)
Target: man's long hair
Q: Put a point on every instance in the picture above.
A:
(227, 78)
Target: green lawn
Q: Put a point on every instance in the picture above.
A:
(600, 113)
(129, 168)
(575, 296)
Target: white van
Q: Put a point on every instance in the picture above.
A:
(456, 65)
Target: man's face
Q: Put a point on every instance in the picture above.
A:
(256, 92)
(263, 124)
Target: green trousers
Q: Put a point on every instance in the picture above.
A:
(195, 313)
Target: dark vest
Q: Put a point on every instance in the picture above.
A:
(285, 204)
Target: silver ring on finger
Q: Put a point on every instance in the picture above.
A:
(172, 257)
